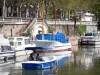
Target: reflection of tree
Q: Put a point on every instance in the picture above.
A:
(96, 68)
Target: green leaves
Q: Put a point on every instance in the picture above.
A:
(96, 7)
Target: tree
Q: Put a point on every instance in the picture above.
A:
(96, 11)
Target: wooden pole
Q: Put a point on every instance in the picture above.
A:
(42, 16)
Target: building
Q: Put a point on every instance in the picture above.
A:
(87, 16)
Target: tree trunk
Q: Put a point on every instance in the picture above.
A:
(98, 24)
(74, 18)
(46, 10)
(68, 14)
(20, 12)
(17, 11)
(12, 11)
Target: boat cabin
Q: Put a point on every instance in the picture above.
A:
(56, 37)
(5, 48)
(21, 41)
(4, 45)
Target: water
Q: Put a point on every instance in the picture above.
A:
(85, 61)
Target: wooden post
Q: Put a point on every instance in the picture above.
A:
(11, 32)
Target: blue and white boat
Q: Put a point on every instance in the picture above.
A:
(48, 62)
(51, 45)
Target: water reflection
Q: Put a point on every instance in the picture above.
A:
(92, 50)
(40, 72)
(85, 61)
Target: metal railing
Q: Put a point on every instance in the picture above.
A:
(30, 25)
(70, 22)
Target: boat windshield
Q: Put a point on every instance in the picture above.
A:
(88, 34)
(91, 34)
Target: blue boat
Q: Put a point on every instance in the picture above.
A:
(48, 62)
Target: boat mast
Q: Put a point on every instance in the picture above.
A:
(55, 17)
(43, 14)
(42, 24)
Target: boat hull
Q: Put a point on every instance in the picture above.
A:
(43, 48)
(57, 50)
(35, 65)
(7, 56)
(89, 42)
(54, 53)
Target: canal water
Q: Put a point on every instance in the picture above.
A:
(85, 61)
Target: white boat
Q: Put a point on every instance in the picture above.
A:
(5, 49)
(89, 39)
(19, 43)
(47, 62)
(51, 44)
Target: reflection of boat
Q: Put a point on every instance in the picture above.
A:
(92, 51)
(87, 56)
(52, 71)
(61, 60)
(47, 62)
(6, 51)
(51, 44)
(89, 39)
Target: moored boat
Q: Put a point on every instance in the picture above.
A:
(6, 51)
(47, 62)
(89, 39)
(18, 44)
(51, 44)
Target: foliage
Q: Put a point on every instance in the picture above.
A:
(81, 29)
(50, 29)
(96, 8)
(63, 5)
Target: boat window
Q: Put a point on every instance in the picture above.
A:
(19, 39)
(11, 43)
(27, 41)
(89, 34)
(5, 48)
(19, 43)
(11, 38)
(0, 47)
(94, 34)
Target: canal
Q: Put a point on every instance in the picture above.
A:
(85, 61)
